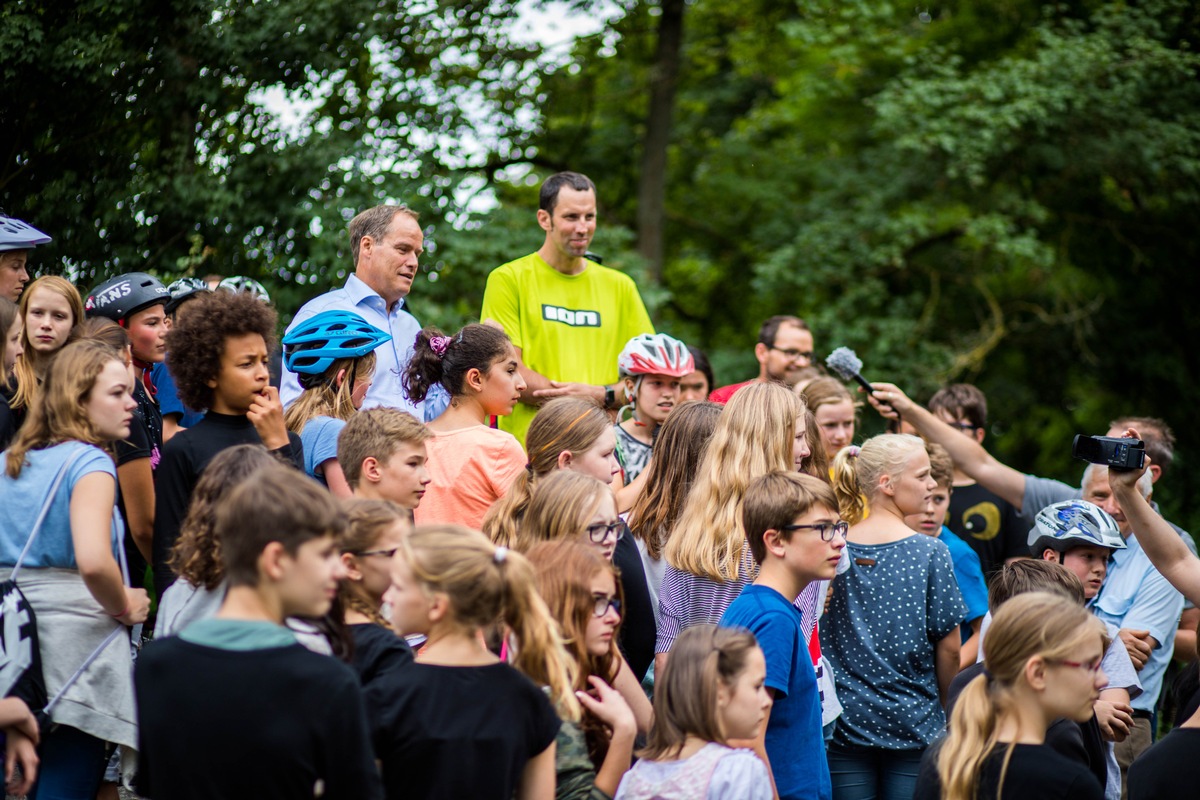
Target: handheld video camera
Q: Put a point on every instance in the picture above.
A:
(1113, 452)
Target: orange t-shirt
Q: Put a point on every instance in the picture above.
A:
(470, 468)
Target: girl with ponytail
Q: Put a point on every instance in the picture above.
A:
(459, 722)
(567, 433)
(891, 632)
(471, 464)
(1042, 663)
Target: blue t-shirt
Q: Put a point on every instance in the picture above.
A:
(168, 396)
(22, 500)
(794, 742)
(969, 572)
(888, 612)
(320, 439)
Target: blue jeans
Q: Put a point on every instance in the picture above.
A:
(72, 763)
(873, 773)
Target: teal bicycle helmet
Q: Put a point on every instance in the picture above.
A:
(313, 345)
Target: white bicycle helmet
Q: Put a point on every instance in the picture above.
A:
(18, 235)
(1074, 523)
(655, 354)
(240, 283)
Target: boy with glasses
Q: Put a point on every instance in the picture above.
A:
(796, 538)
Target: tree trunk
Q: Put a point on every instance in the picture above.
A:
(652, 186)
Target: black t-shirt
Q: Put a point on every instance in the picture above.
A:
(1036, 772)
(377, 651)
(989, 524)
(1081, 742)
(638, 631)
(258, 724)
(184, 457)
(446, 733)
(10, 421)
(145, 441)
(1169, 769)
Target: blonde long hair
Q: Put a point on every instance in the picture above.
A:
(561, 507)
(1042, 624)
(754, 436)
(486, 584)
(857, 471)
(328, 398)
(32, 364)
(59, 413)
(565, 423)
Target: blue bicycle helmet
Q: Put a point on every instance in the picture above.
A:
(18, 235)
(313, 345)
(184, 288)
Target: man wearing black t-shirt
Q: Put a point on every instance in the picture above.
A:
(981, 518)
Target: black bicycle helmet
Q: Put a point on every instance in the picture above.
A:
(117, 298)
(184, 288)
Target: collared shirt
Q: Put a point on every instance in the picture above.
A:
(1136, 596)
(390, 357)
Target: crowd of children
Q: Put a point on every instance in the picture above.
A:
(208, 594)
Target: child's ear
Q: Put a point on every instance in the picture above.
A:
(271, 561)
(473, 380)
(885, 485)
(370, 469)
(564, 459)
(439, 607)
(337, 379)
(773, 541)
(1035, 673)
(351, 565)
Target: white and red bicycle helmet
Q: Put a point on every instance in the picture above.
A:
(655, 354)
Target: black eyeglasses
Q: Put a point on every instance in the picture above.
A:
(600, 532)
(389, 552)
(793, 355)
(827, 529)
(603, 604)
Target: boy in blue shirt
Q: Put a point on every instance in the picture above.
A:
(967, 568)
(794, 534)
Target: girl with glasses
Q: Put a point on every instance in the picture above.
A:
(376, 529)
(892, 622)
(569, 506)
(1042, 659)
(584, 596)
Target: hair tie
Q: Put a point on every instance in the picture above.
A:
(987, 675)
(501, 555)
(438, 344)
(529, 468)
(853, 451)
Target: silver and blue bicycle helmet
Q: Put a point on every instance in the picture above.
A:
(1074, 523)
(313, 345)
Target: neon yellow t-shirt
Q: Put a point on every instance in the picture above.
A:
(569, 327)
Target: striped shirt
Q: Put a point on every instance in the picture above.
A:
(686, 600)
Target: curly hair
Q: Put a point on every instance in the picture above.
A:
(196, 556)
(197, 342)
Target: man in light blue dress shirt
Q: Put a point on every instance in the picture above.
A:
(386, 242)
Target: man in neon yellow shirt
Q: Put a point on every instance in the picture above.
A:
(567, 317)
